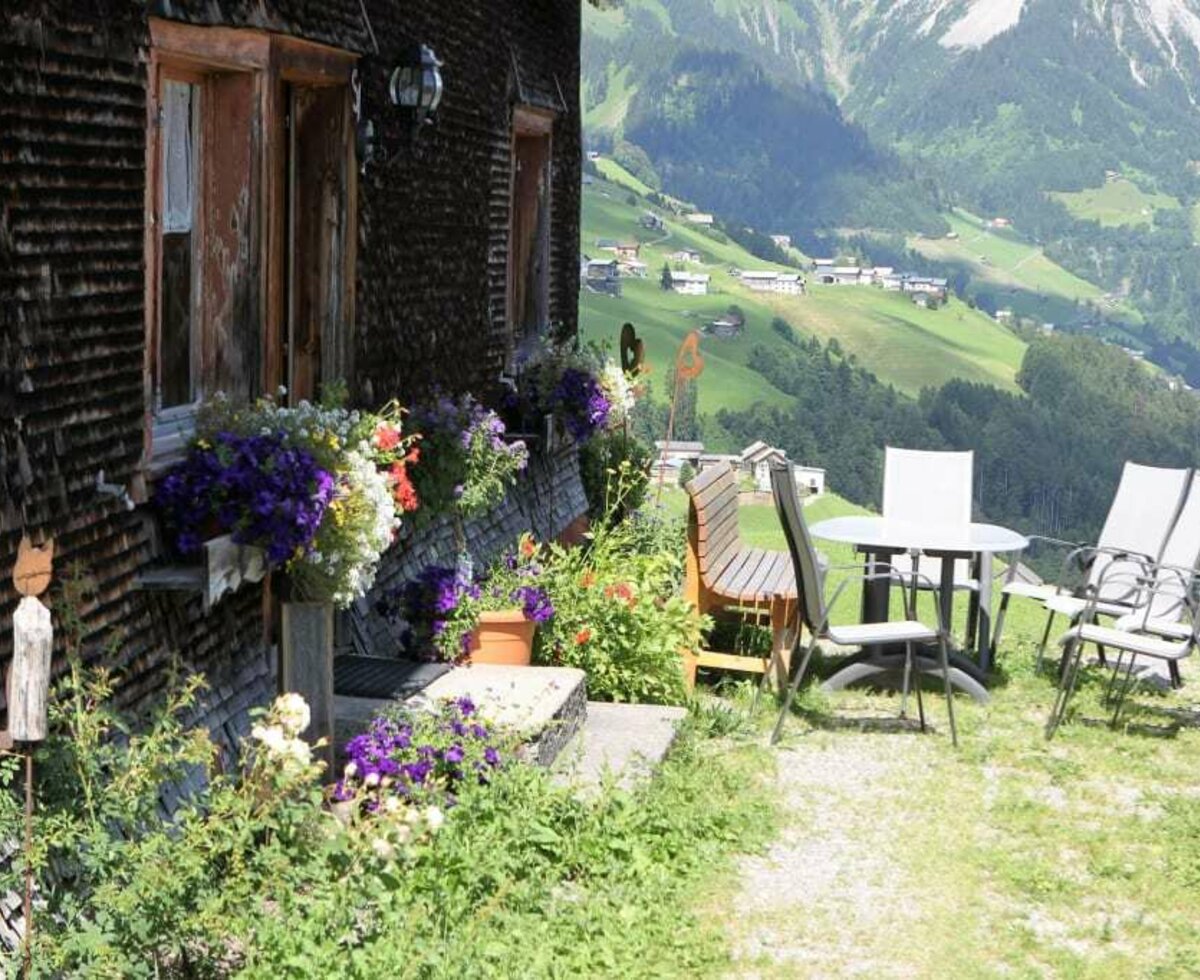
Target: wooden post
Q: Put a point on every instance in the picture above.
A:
(29, 674)
(306, 665)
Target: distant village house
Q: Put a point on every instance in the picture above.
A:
(699, 218)
(767, 281)
(689, 283)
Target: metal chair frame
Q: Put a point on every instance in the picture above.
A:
(1151, 583)
(815, 612)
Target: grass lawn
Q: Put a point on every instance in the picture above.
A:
(903, 344)
(1115, 203)
(900, 856)
(1001, 257)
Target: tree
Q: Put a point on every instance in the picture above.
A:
(665, 279)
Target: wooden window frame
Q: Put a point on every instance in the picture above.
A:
(187, 52)
(528, 121)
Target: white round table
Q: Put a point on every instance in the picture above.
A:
(881, 537)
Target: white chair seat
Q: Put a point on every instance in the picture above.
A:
(1031, 590)
(931, 568)
(902, 631)
(1171, 628)
(1140, 643)
(1074, 606)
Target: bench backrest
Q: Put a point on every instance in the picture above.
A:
(713, 520)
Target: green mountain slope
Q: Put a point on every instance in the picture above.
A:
(1079, 120)
(902, 344)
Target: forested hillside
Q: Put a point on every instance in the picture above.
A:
(1047, 458)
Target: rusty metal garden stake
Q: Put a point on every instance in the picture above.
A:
(689, 365)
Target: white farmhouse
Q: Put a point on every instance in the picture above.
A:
(699, 218)
(684, 255)
(765, 281)
(689, 283)
(810, 480)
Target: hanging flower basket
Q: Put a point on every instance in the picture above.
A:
(502, 637)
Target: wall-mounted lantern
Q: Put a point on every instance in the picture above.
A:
(416, 85)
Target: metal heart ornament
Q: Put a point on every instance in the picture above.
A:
(633, 350)
(689, 363)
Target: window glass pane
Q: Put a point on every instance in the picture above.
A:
(530, 234)
(180, 105)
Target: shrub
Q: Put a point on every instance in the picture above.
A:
(608, 455)
(618, 612)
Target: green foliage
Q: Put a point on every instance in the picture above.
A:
(603, 456)
(634, 159)
(618, 612)
(254, 876)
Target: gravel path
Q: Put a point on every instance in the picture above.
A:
(833, 896)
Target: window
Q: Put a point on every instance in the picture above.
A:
(529, 224)
(250, 209)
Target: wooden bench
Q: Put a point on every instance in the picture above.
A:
(723, 574)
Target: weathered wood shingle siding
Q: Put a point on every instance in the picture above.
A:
(433, 235)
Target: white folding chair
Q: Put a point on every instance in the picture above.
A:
(1145, 508)
(1163, 627)
(932, 489)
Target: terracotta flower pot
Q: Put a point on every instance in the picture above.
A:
(503, 638)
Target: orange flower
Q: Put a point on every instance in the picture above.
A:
(387, 437)
(620, 591)
(583, 636)
(587, 579)
(528, 548)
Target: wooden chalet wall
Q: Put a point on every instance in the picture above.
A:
(431, 263)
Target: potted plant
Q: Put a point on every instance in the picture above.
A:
(454, 617)
(582, 390)
(467, 463)
(320, 488)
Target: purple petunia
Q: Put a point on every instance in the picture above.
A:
(262, 490)
(421, 758)
(581, 402)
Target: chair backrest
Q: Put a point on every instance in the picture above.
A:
(928, 488)
(800, 545)
(1182, 550)
(1145, 508)
(713, 519)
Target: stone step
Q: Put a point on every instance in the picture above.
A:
(544, 705)
(626, 741)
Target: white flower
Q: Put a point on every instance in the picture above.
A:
(383, 848)
(272, 737)
(434, 818)
(292, 712)
(413, 816)
(403, 833)
(372, 779)
(351, 770)
(391, 804)
(298, 750)
(281, 391)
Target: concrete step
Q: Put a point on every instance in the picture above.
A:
(626, 741)
(544, 705)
